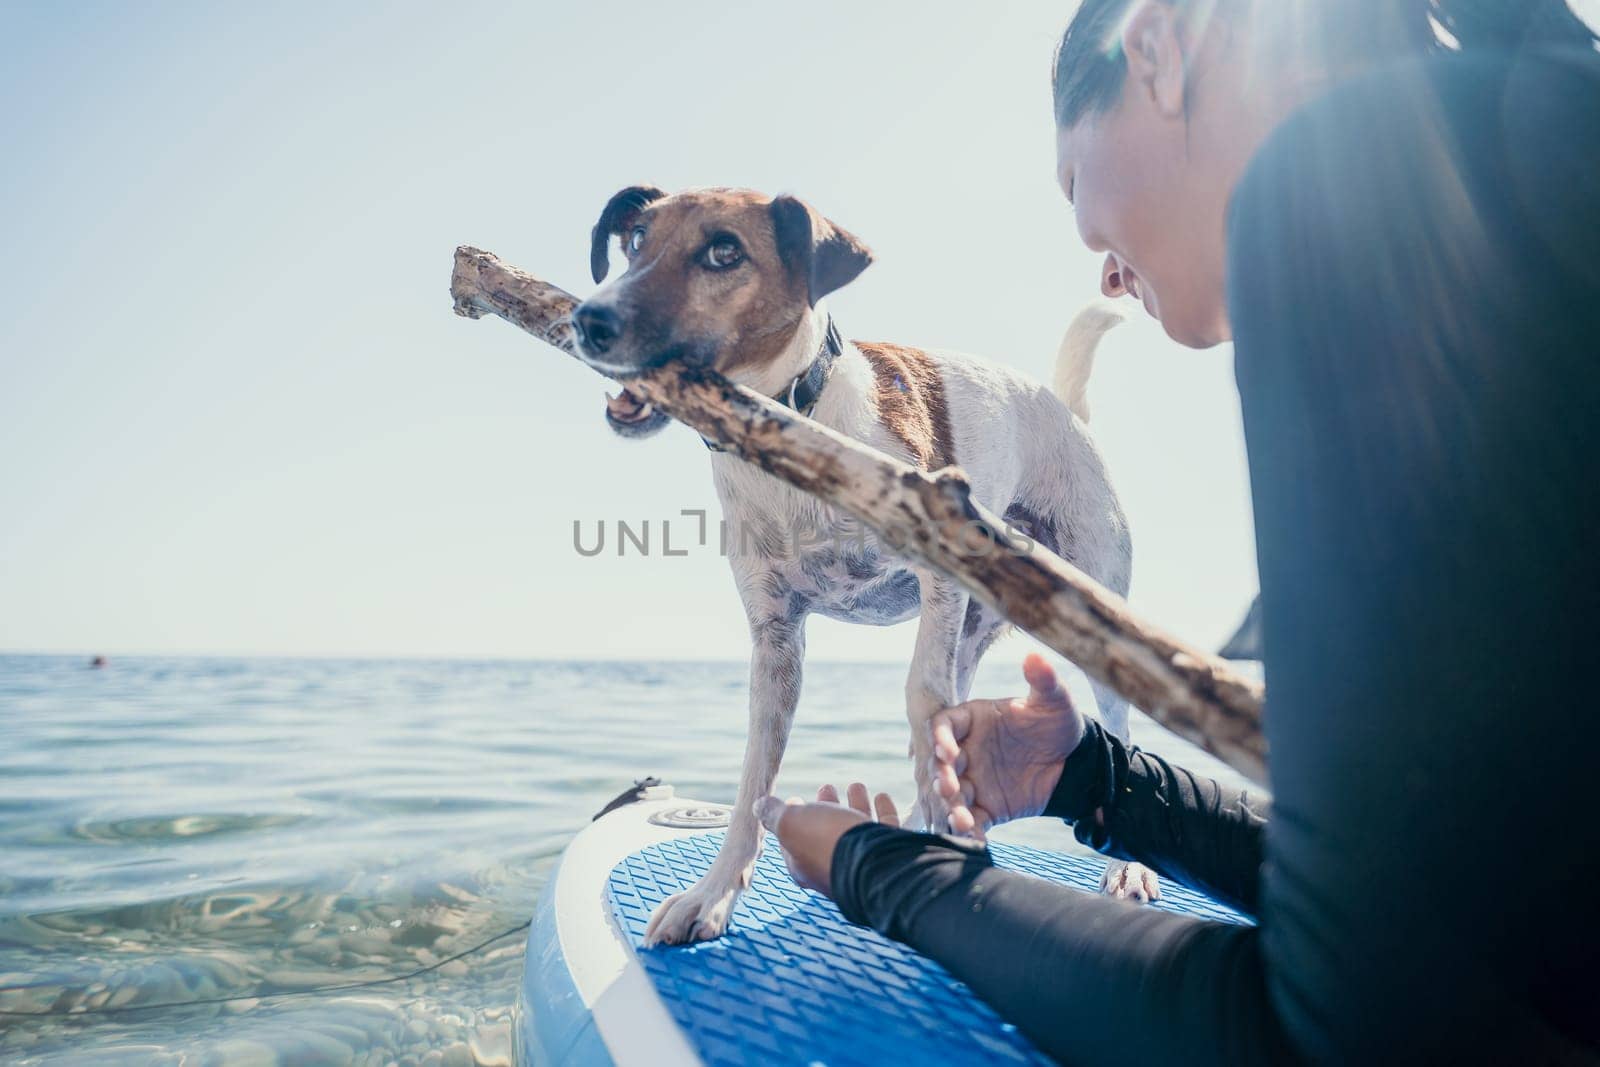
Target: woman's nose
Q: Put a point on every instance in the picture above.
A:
(1111, 280)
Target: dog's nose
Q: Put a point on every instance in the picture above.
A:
(598, 327)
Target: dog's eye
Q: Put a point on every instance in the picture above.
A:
(635, 240)
(724, 253)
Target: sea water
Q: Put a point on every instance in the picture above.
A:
(257, 861)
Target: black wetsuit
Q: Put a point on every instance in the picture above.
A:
(1414, 287)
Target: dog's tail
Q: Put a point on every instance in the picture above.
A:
(1075, 362)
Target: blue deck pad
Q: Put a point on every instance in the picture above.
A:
(793, 983)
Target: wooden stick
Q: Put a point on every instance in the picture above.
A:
(927, 516)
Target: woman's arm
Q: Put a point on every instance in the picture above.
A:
(998, 760)
(1087, 978)
(1134, 805)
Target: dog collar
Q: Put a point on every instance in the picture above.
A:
(806, 388)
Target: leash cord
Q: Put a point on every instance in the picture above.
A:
(339, 987)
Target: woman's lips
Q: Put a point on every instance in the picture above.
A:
(1136, 288)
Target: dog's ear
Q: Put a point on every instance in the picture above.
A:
(826, 256)
(618, 216)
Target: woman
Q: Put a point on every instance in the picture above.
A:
(1403, 253)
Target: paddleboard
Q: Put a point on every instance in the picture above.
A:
(790, 982)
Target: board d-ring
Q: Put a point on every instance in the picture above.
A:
(693, 817)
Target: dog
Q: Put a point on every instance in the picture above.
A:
(736, 281)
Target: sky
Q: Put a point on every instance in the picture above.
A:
(237, 414)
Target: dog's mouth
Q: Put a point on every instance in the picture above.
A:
(628, 413)
(631, 415)
(628, 408)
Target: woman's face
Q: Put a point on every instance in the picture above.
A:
(1132, 202)
(1149, 179)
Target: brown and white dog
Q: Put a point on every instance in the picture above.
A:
(734, 280)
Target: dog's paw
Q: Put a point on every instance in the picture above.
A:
(699, 913)
(1130, 881)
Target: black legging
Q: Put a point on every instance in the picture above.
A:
(1414, 286)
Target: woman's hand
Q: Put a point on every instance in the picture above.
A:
(808, 832)
(997, 760)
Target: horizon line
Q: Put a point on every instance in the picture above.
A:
(89, 653)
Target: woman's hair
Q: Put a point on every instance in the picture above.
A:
(1090, 67)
